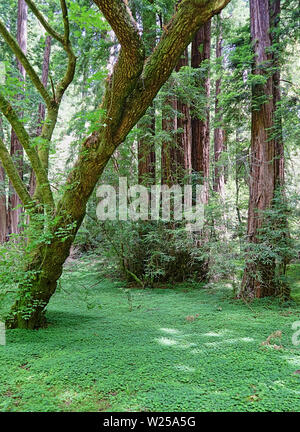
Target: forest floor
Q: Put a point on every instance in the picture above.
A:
(181, 349)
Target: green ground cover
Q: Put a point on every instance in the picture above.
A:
(181, 349)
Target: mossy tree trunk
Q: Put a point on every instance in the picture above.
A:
(201, 126)
(130, 90)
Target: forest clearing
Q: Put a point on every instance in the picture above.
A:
(149, 206)
(168, 349)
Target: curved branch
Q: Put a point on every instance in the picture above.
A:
(25, 141)
(44, 22)
(69, 74)
(121, 21)
(64, 10)
(14, 46)
(64, 40)
(130, 62)
(187, 20)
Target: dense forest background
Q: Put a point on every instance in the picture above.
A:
(144, 315)
(227, 118)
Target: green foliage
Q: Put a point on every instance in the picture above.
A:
(275, 246)
(153, 252)
(151, 358)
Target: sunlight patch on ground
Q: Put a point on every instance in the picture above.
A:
(293, 360)
(179, 343)
(170, 330)
(184, 368)
(69, 395)
(185, 345)
(166, 341)
(283, 385)
(216, 334)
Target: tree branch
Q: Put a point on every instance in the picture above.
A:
(44, 22)
(130, 62)
(190, 15)
(69, 74)
(64, 9)
(121, 20)
(64, 40)
(25, 141)
(14, 46)
(13, 175)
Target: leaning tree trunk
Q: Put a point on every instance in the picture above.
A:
(126, 99)
(16, 149)
(200, 126)
(266, 170)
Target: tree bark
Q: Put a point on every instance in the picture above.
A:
(219, 132)
(146, 146)
(146, 149)
(200, 126)
(3, 209)
(168, 149)
(266, 170)
(16, 149)
(184, 138)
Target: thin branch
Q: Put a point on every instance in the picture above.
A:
(64, 40)
(52, 87)
(44, 22)
(13, 175)
(69, 74)
(14, 46)
(66, 21)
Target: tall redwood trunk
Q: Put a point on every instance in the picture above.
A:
(41, 109)
(279, 161)
(266, 170)
(3, 211)
(200, 126)
(146, 147)
(168, 150)
(219, 132)
(3, 223)
(146, 150)
(176, 148)
(184, 138)
(16, 149)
